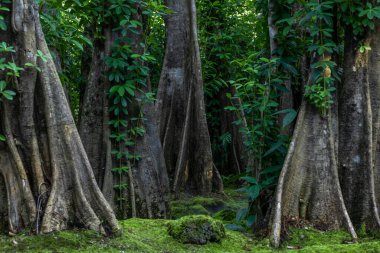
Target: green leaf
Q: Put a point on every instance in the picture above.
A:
(77, 44)
(250, 220)
(273, 148)
(241, 214)
(273, 169)
(289, 118)
(230, 108)
(121, 91)
(3, 84)
(250, 180)
(254, 192)
(130, 91)
(8, 94)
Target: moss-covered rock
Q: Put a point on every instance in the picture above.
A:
(197, 229)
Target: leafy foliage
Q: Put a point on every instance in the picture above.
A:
(9, 71)
(237, 67)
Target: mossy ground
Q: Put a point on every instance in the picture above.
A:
(152, 236)
(222, 207)
(141, 235)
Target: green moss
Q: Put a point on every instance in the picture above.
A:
(205, 205)
(367, 232)
(197, 205)
(139, 235)
(312, 237)
(58, 242)
(151, 236)
(209, 203)
(181, 209)
(311, 240)
(197, 229)
(226, 215)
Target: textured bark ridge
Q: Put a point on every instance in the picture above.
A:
(286, 99)
(331, 173)
(48, 179)
(374, 88)
(309, 186)
(147, 194)
(359, 130)
(181, 108)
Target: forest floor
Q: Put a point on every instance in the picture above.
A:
(151, 236)
(140, 235)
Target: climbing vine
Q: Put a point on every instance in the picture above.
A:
(9, 70)
(309, 44)
(127, 74)
(316, 21)
(84, 23)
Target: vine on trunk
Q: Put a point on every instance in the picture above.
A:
(127, 71)
(306, 168)
(10, 71)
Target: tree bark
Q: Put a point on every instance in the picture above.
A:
(358, 126)
(309, 186)
(181, 107)
(147, 195)
(49, 182)
(374, 87)
(286, 99)
(352, 201)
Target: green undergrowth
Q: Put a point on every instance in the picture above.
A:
(221, 207)
(152, 236)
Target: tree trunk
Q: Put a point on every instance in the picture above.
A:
(93, 119)
(147, 194)
(309, 186)
(358, 126)
(374, 87)
(352, 201)
(239, 159)
(181, 108)
(286, 99)
(49, 181)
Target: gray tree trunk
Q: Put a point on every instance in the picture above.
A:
(181, 108)
(351, 201)
(359, 129)
(309, 186)
(147, 194)
(48, 179)
(286, 99)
